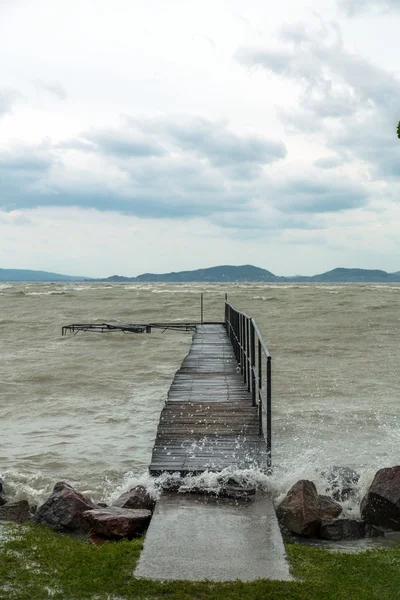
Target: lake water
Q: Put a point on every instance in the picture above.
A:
(85, 408)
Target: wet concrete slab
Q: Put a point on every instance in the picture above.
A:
(195, 538)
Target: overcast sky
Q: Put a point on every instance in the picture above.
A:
(177, 134)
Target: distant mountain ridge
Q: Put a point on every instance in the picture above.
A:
(219, 274)
(214, 274)
(251, 274)
(23, 275)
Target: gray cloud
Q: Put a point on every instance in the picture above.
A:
(165, 168)
(54, 88)
(7, 99)
(24, 175)
(214, 141)
(121, 143)
(300, 195)
(354, 7)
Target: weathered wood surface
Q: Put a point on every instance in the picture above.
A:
(208, 421)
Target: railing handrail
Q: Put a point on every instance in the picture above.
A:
(263, 346)
(249, 349)
(252, 319)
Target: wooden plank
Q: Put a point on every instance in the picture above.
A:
(208, 421)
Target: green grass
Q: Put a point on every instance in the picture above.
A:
(36, 563)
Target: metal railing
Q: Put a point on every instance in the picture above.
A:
(254, 361)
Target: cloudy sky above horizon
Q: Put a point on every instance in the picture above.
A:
(179, 134)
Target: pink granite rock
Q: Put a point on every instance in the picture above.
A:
(117, 523)
(299, 511)
(138, 498)
(64, 509)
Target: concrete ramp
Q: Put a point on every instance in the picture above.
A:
(195, 538)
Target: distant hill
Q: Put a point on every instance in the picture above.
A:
(28, 275)
(224, 273)
(220, 274)
(356, 276)
(249, 273)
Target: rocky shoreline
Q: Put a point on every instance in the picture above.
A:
(303, 513)
(69, 511)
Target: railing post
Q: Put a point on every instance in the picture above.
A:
(259, 373)
(253, 363)
(269, 402)
(237, 347)
(243, 336)
(241, 343)
(248, 361)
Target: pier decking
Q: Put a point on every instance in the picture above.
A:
(209, 420)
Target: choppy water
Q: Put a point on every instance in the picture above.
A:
(85, 408)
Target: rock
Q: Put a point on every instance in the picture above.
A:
(381, 504)
(64, 509)
(299, 511)
(372, 531)
(137, 497)
(2, 501)
(329, 509)
(233, 492)
(343, 483)
(117, 523)
(101, 504)
(18, 512)
(1, 485)
(237, 492)
(342, 529)
(172, 484)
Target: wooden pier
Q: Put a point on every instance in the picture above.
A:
(218, 410)
(208, 421)
(216, 415)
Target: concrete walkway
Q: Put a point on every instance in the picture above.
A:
(195, 538)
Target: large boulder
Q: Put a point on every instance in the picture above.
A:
(64, 509)
(299, 511)
(381, 504)
(117, 523)
(342, 529)
(18, 512)
(348, 529)
(342, 483)
(329, 509)
(137, 498)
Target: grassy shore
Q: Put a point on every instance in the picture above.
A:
(36, 564)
